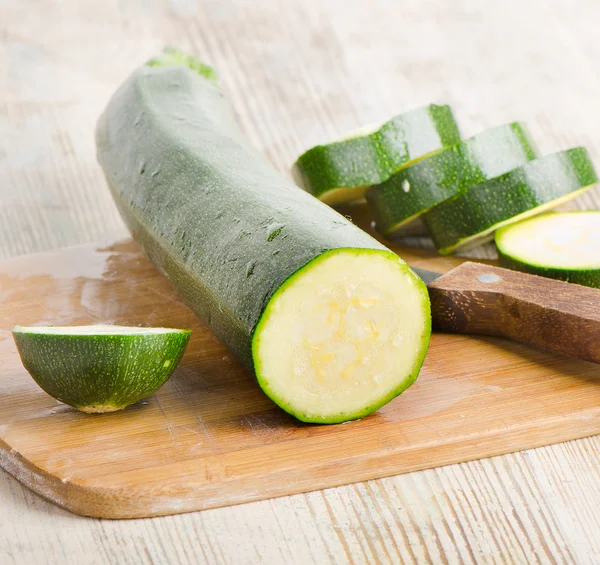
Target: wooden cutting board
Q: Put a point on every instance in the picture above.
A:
(210, 437)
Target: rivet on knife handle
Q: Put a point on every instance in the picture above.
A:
(552, 315)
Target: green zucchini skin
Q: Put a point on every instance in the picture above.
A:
(583, 277)
(371, 159)
(507, 259)
(101, 370)
(213, 215)
(492, 204)
(425, 184)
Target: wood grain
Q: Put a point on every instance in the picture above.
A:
(551, 315)
(211, 438)
(300, 73)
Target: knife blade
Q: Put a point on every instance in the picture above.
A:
(426, 276)
(556, 316)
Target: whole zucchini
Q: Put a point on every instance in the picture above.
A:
(333, 323)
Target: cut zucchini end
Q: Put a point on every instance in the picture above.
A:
(343, 336)
(100, 368)
(488, 235)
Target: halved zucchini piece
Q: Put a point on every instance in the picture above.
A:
(471, 218)
(415, 189)
(564, 246)
(343, 335)
(341, 171)
(100, 368)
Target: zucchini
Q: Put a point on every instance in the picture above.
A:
(470, 218)
(341, 171)
(418, 188)
(100, 368)
(332, 322)
(564, 246)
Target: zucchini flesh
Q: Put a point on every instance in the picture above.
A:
(236, 239)
(421, 186)
(331, 342)
(471, 218)
(340, 172)
(100, 368)
(564, 246)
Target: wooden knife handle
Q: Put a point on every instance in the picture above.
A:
(553, 315)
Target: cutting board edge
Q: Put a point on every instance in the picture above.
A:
(103, 502)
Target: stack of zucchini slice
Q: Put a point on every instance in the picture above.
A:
(464, 191)
(427, 184)
(340, 172)
(472, 216)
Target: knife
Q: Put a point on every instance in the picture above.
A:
(557, 316)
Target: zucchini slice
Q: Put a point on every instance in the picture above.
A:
(333, 323)
(564, 246)
(340, 172)
(100, 368)
(419, 187)
(471, 217)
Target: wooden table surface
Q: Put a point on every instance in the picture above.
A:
(299, 73)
